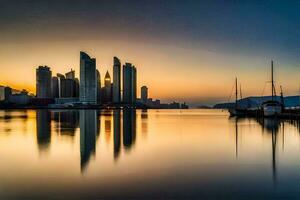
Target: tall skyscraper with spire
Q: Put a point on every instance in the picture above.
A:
(116, 81)
(88, 79)
(107, 87)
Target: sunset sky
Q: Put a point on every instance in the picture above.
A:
(184, 50)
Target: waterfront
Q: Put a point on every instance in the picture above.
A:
(146, 154)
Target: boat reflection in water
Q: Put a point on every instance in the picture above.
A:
(124, 154)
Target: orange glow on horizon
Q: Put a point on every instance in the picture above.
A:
(170, 73)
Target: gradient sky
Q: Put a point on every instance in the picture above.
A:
(187, 50)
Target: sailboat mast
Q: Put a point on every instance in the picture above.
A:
(272, 79)
(236, 92)
(241, 96)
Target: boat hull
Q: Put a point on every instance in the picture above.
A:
(236, 112)
(272, 110)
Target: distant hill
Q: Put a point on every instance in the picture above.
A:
(204, 107)
(255, 102)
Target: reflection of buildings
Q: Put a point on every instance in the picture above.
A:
(88, 130)
(107, 125)
(129, 127)
(43, 128)
(68, 121)
(117, 132)
(144, 116)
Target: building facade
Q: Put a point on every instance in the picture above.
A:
(88, 85)
(129, 83)
(5, 93)
(116, 81)
(144, 94)
(54, 87)
(107, 88)
(43, 82)
(70, 74)
(68, 86)
(98, 86)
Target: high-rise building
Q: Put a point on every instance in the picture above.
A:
(68, 88)
(116, 81)
(5, 93)
(134, 86)
(76, 87)
(70, 74)
(129, 83)
(61, 85)
(144, 94)
(98, 86)
(107, 86)
(55, 87)
(43, 82)
(88, 85)
(68, 85)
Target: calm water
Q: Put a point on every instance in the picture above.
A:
(152, 154)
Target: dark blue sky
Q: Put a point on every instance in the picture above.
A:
(250, 25)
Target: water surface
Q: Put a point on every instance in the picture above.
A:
(146, 154)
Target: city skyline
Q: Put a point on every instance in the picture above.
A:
(202, 45)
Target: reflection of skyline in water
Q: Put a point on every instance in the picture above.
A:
(129, 127)
(88, 122)
(144, 118)
(43, 129)
(88, 131)
(117, 132)
(8, 115)
(67, 122)
(202, 150)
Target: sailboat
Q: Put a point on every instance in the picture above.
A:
(236, 111)
(272, 107)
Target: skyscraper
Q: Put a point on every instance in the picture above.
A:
(68, 85)
(129, 83)
(61, 85)
(144, 94)
(98, 86)
(116, 81)
(70, 74)
(5, 93)
(107, 86)
(134, 86)
(54, 87)
(43, 82)
(88, 86)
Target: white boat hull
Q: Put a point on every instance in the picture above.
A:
(272, 110)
